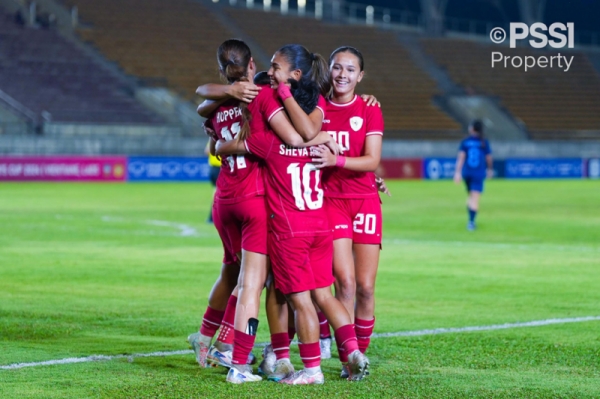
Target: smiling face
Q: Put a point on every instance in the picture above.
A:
(281, 70)
(345, 74)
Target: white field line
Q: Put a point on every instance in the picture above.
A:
(436, 331)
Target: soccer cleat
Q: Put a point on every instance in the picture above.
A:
(240, 375)
(345, 372)
(357, 366)
(200, 344)
(325, 345)
(251, 358)
(471, 226)
(303, 378)
(217, 358)
(282, 370)
(268, 363)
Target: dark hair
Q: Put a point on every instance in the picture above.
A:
(477, 126)
(351, 50)
(306, 93)
(234, 57)
(262, 78)
(313, 66)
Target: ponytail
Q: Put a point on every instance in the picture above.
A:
(319, 73)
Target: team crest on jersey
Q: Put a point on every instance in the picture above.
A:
(356, 123)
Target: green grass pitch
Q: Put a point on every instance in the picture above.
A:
(126, 268)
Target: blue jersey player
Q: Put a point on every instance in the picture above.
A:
(473, 165)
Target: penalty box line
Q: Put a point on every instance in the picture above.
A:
(436, 331)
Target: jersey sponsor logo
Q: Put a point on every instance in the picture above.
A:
(341, 226)
(356, 123)
(326, 121)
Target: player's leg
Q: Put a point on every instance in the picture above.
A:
(367, 261)
(307, 328)
(473, 203)
(343, 270)
(324, 335)
(336, 313)
(367, 245)
(252, 278)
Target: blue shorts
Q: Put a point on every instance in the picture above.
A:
(474, 183)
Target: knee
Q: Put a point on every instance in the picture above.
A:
(346, 286)
(365, 292)
(229, 274)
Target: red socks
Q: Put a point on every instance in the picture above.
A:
(310, 354)
(345, 338)
(364, 329)
(211, 322)
(324, 326)
(226, 334)
(242, 346)
(281, 345)
(291, 334)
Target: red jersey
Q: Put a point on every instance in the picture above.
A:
(294, 192)
(349, 124)
(241, 176)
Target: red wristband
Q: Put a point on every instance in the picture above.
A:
(340, 161)
(284, 91)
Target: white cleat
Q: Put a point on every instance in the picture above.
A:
(357, 366)
(217, 358)
(267, 365)
(303, 378)
(282, 369)
(325, 345)
(242, 375)
(200, 344)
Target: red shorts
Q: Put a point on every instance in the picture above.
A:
(357, 219)
(228, 257)
(242, 225)
(302, 263)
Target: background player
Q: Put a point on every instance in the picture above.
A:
(473, 164)
(351, 193)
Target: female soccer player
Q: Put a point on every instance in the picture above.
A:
(476, 150)
(351, 193)
(300, 236)
(264, 111)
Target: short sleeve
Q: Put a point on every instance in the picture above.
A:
(462, 146)
(269, 103)
(260, 144)
(487, 150)
(374, 121)
(322, 104)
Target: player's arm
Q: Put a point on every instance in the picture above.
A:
(365, 163)
(283, 128)
(217, 94)
(234, 147)
(490, 166)
(308, 126)
(460, 161)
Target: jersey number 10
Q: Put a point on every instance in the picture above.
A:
(301, 188)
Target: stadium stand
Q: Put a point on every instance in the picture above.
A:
(174, 44)
(164, 43)
(51, 77)
(553, 104)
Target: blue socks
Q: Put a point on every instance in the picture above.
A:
(472, 215)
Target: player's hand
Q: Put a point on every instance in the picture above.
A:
(457, 178)
(334, 147)
(219, 144)
(370, 100)
(323, 157)
(381, 186)
(210, 132)
(490, 173)
(243, 91)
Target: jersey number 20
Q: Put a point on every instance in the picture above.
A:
(301, 187)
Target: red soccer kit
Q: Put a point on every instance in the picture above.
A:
(239, 211)
(351, 197)
(300, 243)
